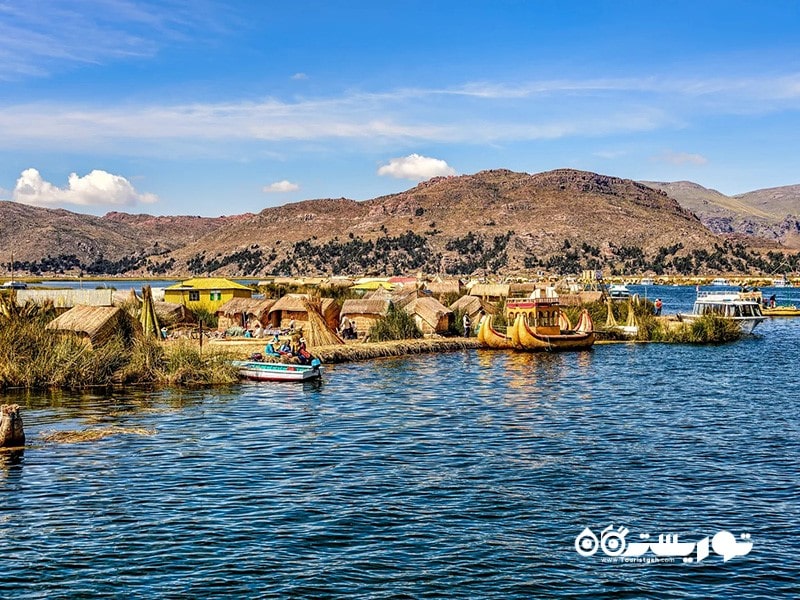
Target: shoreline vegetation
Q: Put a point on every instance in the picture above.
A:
(32, 356)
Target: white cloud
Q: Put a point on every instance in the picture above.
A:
(681, 158)
(416, 168)
(280, 187)
(299, 76)
(98, 188)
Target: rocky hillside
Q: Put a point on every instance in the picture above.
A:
(772, 214)
(62, 240)
(490, 222)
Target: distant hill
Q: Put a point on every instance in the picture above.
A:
(33, 234)
(492, 222)
(772, 214)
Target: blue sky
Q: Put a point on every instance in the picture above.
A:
(210, 108)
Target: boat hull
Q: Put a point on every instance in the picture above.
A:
(781, 311)
(524, 338)
(261, 371)
(489, 336)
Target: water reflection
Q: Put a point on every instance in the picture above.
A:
(465, 474)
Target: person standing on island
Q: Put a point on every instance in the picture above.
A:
(658, 305)
(467, 322)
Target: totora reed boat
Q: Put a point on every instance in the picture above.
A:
(537, 324)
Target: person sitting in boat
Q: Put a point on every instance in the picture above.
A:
(303, 355)
(269, 349)
(285, 349)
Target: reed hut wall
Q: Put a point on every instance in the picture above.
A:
(67, 298)
(291, 307)
(244, 312)
(364, 313)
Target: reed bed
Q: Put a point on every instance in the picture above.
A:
(92, 435)
(370, 350)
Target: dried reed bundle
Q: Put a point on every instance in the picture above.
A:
(318, 333)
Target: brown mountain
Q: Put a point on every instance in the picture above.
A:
(33, 233)
(772, 214)
(494, 220)
(491, 222)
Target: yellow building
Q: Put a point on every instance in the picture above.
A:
(206, 292)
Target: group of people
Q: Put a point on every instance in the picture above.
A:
(278, 349)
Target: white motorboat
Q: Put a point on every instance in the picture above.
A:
(746, 312)
(619, 292)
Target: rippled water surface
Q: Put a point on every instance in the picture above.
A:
(461, 475)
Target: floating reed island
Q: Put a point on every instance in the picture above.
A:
(134, 342)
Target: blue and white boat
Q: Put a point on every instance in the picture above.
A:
(744, 311)
(267, 371)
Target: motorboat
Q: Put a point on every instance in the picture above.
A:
(268, 371)
(619, 292)
(720, 282)
(646, 281)
(744, 311)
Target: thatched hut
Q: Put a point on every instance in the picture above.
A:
(95, 323)
(169, 313)
(430, 315)
(441, 289)
(470, 305)
(364, 313)
(291, 307)
(525, 288)
(493, 292)
(244, 312)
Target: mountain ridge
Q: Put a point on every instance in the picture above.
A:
(491, 221)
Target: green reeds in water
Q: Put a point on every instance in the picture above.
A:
(34, 357)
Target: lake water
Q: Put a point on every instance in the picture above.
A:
(466, 475)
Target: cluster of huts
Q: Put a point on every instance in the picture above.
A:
(95, 313)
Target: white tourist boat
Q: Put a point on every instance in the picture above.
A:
(619, 292)
(746, 312)
(720, 282)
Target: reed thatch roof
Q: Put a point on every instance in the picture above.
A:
(246, 306)
(518, 289)
(440, 288)
(467, 304)
(429, 310)
(98, 323)
(296, 303)
(377, 306)
(490, 290)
